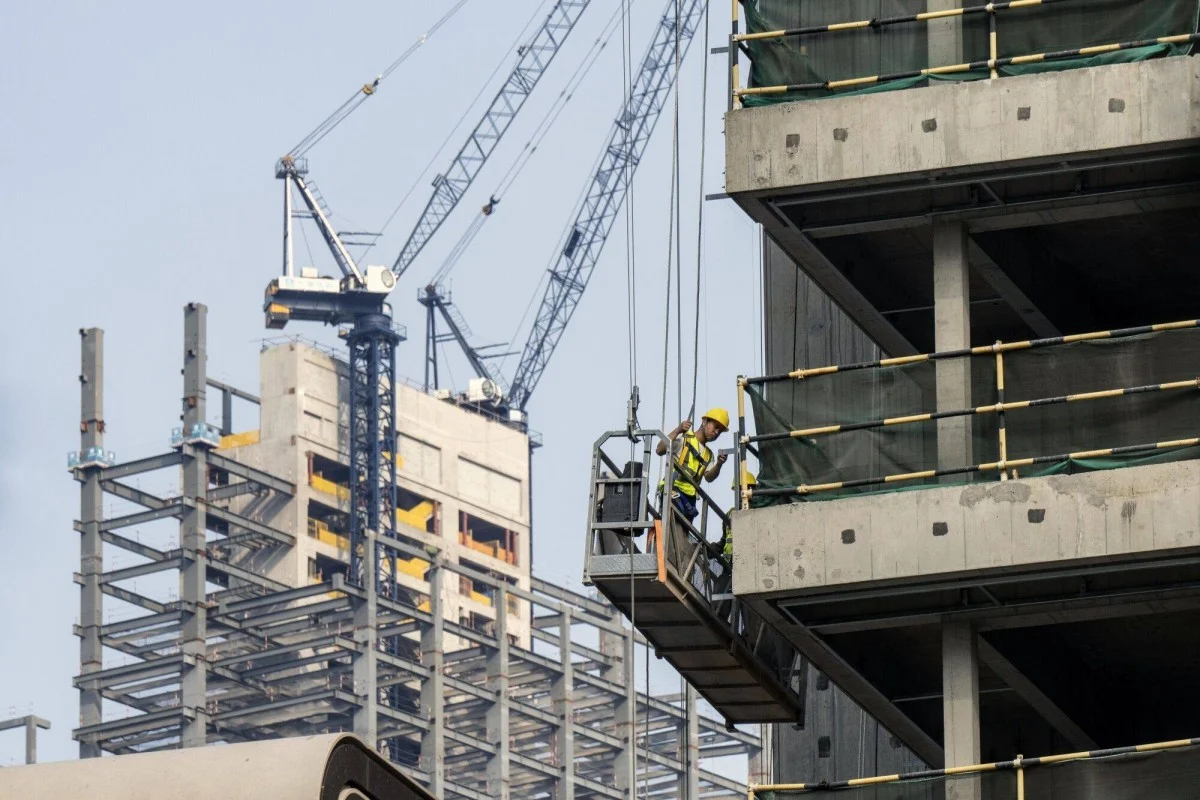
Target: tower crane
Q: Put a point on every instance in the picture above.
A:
(357, 298)
(588, 232)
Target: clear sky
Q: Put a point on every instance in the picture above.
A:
(137, 145)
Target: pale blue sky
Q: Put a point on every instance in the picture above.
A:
(137, 144)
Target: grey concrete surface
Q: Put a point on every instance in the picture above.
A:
(1007, 121)
(983, 528)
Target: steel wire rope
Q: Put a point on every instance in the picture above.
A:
(700, 216)
(450, 136)
(582, 70)
(360, 95)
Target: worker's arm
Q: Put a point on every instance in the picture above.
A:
(682, 427)
(715, 469)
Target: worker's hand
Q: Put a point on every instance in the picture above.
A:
(683, 427)
(722, 458)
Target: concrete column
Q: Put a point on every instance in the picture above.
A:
(433, 690)
(952, 331)
(960, 705)
(91, 512)
(945, 41)
(365, 661)
(562, 693)
(194, 489)
(497, 715)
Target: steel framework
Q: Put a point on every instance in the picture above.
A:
(238, 656)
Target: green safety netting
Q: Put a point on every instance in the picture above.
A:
(1161, 775)
(878, 393)
(906, 47)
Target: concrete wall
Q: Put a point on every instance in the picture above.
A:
(983, 528)
(461, 460)
(949, 127)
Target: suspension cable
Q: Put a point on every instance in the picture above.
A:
(700, 214)
(360, 95)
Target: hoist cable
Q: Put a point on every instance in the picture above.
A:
(700, 217)
(360, 95)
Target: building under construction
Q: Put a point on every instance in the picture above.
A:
(973, 521)
(474, 676)
(972, 528)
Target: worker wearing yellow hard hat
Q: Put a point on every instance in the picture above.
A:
(694, 461)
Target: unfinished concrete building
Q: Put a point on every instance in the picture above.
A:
(1013, 187)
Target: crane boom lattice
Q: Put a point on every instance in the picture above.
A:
(532, 64)
(626, 143)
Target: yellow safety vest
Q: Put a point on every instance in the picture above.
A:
(692, 462)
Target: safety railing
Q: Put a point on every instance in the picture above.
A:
(1146, 361)
(1130, 768)
(993, 63)
(687, 557)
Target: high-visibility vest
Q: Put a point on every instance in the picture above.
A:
(694, 458)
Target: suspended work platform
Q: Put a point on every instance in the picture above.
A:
(670, 579)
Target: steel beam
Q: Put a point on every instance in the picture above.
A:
(91, 514)
(238, 521)
(142, 517)
(261, 477)
(562, 693)
(1030, 693)
(433, 691)
(150, 464)
(498, 776)
(192, 529)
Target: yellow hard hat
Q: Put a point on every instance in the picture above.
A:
(719, 416)
(750, 479)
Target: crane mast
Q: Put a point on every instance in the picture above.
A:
(586, 236)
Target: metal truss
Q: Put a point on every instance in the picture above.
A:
(470, 711)
(533, 59)
(586, 237)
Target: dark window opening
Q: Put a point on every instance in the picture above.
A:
(488, 538)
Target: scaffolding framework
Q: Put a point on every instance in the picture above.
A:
(215, 651)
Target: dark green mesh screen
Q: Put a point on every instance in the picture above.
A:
(906, 47)
(881, 393)
(1164, 775)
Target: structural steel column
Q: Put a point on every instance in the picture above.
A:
(960, 705)
(689, 748)
(194, 490)
(433, 690)
(562, 694)
(624, 765)
(497, 713)
(952, 331)
(91, 511)
(366, 635)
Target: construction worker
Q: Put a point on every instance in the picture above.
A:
(694, 458)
